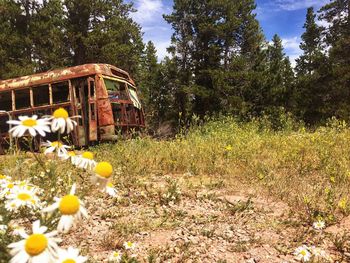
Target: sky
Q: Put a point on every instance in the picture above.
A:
(283, 17)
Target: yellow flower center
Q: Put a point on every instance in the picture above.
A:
(116, 254)
(29, 123)
(24, 196)
(110, 185)
(35, 244)
(69, 260)
(2, 176)
(10, 186)
(303, 252)
(56, 144)
(60, 113)
(88, 155)
(104, 169)
(129, 244)
(71, 153)
(69, 205)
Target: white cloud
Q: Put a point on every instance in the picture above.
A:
(291, 5)
(161, 47)
(292, 49)
(148, 10)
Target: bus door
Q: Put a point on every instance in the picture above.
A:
(86, 109)
(92, 110)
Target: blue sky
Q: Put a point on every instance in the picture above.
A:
(284, 17)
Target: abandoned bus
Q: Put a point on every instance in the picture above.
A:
(103, 95)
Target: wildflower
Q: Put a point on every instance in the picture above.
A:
(3, 229)
(319, 254)
(343, 203)
(67, 155)
(103, 172)
(23, 197)
(319, 225)
(85, 161)
(17, 230)
(116, 256)
(6, 189)
(4, 179)
(31, 125)
(129, 245)
(35, 248)
(61, 121)
(57, 146)
(71, 255)
(228, 148)
(70, 208)
(302, 253)
(110, 190)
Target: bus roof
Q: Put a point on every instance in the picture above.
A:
(64, 74)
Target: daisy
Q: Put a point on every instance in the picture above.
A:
(55, 146)
(35, 248)
(3, 229)
(61, 121)
(103, 172)
(7, 188)
(116, 256)
(319, 254)
(31, 125)
(17, 229)
(129, 245)
(302, 253)
(67, 155)
(4, 179)
(110, 190)
(85, 161)
(23, 197)
(71, 208)
(71, 255)
(319, 225)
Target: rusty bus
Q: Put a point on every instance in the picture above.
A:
(103, 95)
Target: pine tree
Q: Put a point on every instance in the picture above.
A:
(15, 42)
(311, 67)
(281, 76)
(48, 35)
(337, 14)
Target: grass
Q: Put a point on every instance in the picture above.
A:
(307, 169)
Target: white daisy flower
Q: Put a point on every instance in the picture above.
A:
(85, 161)
(4, 179)
(7, 188)
(110, 190)
(71, 209)
(23, 197)
(319, 225)
(302, 253)
(61, 121)
(71, 255)
(3, 229)
(31, 125)
(116, 256)
(17, 230)
(67, 155)
(103, 172)
(319, 254)
(57, 146)
(35, 248)
(129, 245)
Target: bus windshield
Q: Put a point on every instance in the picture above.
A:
(120, 90)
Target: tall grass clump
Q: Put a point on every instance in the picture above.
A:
(308, 169)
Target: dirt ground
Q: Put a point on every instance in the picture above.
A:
(206, 223)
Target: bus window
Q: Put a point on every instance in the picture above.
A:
(116, 89)
(134, 97)
(22, 99)
(6, 101)
(41, 95)
(60, 92)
